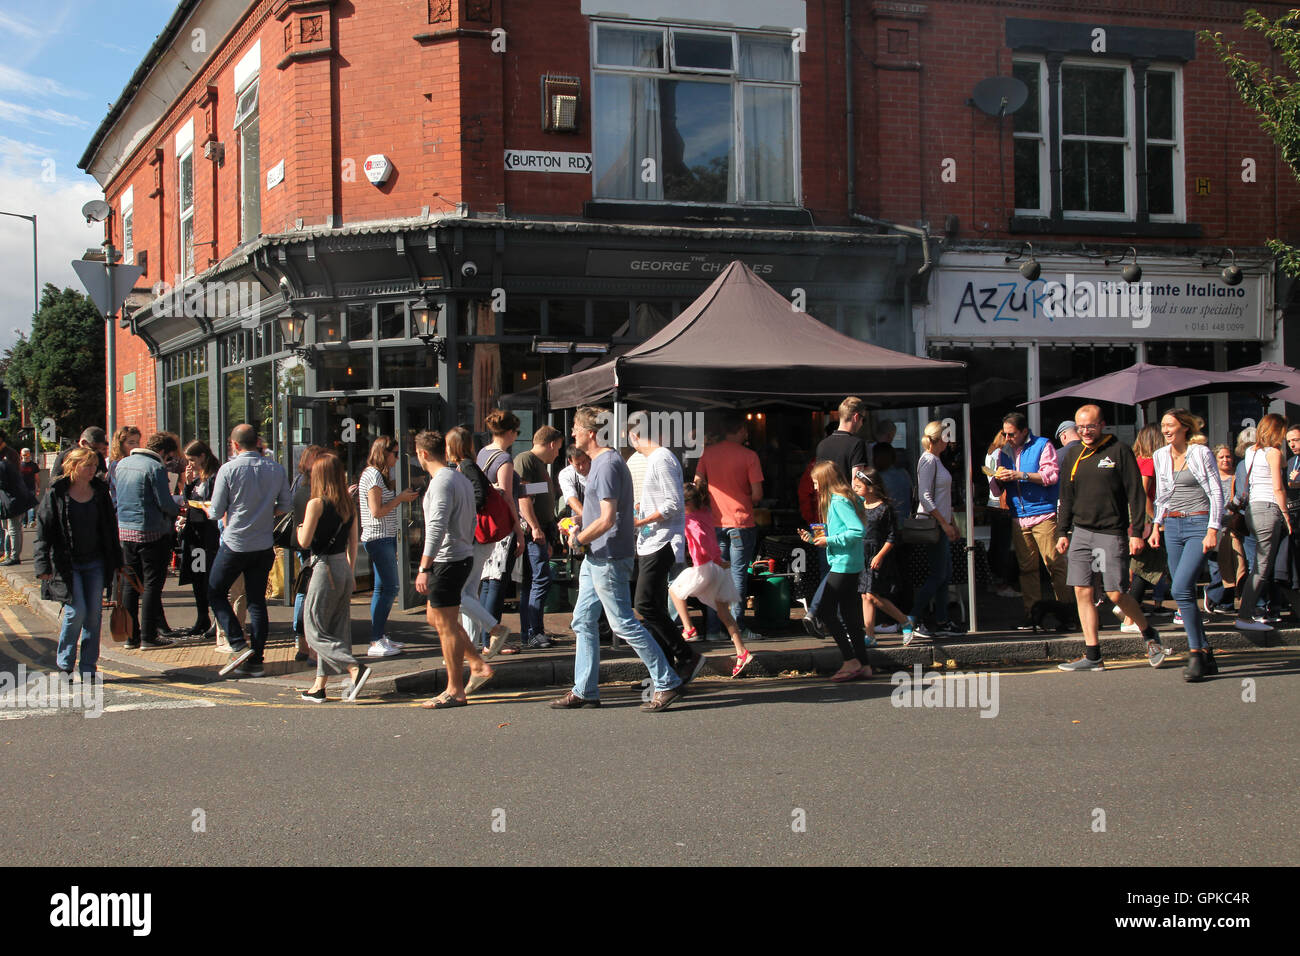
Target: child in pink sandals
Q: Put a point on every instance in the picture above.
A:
(709, 579)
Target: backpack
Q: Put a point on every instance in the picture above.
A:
(494, 520)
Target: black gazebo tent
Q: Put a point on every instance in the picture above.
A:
(741, 343)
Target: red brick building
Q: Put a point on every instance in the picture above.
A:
(578, 170)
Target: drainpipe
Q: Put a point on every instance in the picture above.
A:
(922, 233)
(851, 158)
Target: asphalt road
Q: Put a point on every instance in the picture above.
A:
(766, 772)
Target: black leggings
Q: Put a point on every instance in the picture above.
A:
(843, 590)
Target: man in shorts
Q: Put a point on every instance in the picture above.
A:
(1102, 502)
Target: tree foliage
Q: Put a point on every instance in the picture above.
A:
(1274, 95)
(59, 371)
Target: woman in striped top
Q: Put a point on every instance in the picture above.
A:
(379, 528)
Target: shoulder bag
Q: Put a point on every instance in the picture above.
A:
(1234, 513)
(922, 529)
(119, 619)
(303, 581)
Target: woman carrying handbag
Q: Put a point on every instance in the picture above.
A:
(76, 551)
(934, 485)
(199, 537)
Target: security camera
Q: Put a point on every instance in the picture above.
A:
(469, 270)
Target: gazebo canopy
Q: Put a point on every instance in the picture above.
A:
(741, 342)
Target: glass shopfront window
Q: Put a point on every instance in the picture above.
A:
(409, 367)
(338, 370)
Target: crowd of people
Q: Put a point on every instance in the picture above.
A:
(1105, 521)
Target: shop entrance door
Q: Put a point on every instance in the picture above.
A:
(348, 426)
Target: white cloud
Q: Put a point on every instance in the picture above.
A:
(19, 27)
(28, 84)
(28, 116)
(63, 234)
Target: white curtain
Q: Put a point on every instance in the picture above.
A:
(766, 60)
(769, 144)
(626, 124)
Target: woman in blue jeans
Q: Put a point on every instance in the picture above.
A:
(379, 529)
(934, 498)
(1188, 510)
(76, 551)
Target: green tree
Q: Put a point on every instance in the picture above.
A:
(59, 371)
(1274, 95)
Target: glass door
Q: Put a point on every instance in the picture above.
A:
(415, 412)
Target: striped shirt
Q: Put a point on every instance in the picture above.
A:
(372, 528)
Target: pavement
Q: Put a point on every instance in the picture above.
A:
(786, 651)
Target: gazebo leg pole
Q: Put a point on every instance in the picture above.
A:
(970, 520)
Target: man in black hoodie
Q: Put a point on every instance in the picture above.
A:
(1102, 502)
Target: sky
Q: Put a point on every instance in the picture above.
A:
(62, 64)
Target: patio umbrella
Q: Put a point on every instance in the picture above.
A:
(1142, 383)
(1282, 373)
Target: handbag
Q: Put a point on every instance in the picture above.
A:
(1234, 514)
(119, 619)
(283, 533)
(494, 521)
(302, 581)
(922, 529)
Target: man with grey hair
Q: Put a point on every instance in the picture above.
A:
(608, 534)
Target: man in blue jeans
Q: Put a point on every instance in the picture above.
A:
(735, 479)
(609, 535)
(250, 491)
(146, 511)
(537, 509)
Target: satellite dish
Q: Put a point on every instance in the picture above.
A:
(1000, 95)
(96, 210)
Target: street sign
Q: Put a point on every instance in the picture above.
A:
(107, 294)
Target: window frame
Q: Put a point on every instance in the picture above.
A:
(1044, 207)
(128, 226)
(185, 214)
(1136, 141)
(243, 120)
(733, 78)
(1179, 166)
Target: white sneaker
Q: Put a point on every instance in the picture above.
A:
(380, 649)
(890, 628)
(1130, 628)
(395, 645)
(747, 635)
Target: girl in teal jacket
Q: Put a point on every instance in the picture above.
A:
(841, 510)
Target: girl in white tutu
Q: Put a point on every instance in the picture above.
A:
(709, 580)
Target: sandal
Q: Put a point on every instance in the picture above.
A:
(689, 635)
(742, 661)
(478, 680)
(841, 677)
(442, 702)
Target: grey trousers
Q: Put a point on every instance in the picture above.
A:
(327, 614)
(14, 535)
(1266, 524)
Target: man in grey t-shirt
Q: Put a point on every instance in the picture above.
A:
(444, 568)
(608, 531)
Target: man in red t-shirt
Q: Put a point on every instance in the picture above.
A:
(735, 480)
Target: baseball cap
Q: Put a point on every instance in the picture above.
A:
(1063, 426)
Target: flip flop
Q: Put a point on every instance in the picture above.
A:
(478, 680)
(506, 651)
(852, 675)
(442, 702)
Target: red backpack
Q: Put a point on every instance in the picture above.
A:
(494, 520)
